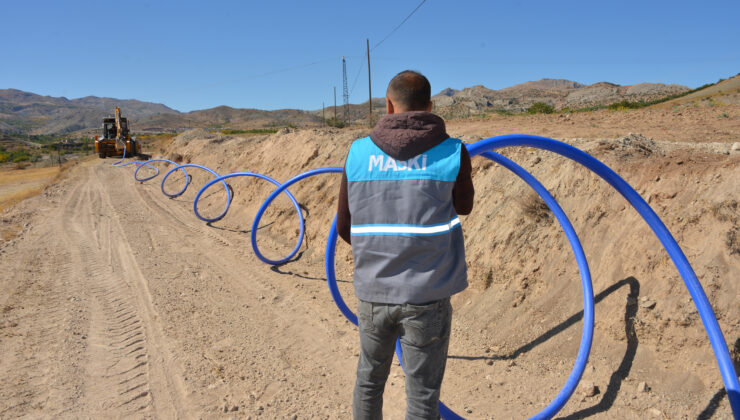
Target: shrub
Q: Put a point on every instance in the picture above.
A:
(335, 122)
(540, 108)
(732, 241)
(21, 157)
(533, 207)
(625, 104)
(503, 112)
(251, 131)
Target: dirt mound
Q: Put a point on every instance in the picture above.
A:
(524, 281)
(116, 301)
(630, 146)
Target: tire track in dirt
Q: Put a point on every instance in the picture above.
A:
(129, 358)
(264, 329)
(114, 328)
(155, 315)
(78, 332)
(43, 325)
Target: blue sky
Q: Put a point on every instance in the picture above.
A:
(287, 54)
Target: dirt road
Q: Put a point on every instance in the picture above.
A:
(103, 318)
(117, 302)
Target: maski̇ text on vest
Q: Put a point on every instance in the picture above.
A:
(387, 163)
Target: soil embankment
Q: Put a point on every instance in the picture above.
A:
(117, 301)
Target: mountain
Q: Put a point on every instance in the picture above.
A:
(227, 117)
(559, 93)
(547, 84)
(448, 92)
(356, 112)
(29, 113)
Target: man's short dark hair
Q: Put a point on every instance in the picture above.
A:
(410, 90)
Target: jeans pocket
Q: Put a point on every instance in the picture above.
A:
(426, 325)
(365, 316)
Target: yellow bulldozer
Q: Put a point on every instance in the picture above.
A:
(116, 137)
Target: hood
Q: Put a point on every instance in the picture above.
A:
(405, 135)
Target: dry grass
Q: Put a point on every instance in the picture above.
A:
(14, 176)
(725, 211)
(9, 200)
(533, 207)
(732, 241)
(17, 185)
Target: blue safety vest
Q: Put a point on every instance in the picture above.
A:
(407, 241)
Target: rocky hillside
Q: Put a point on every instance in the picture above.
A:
(28, 113)
(227, 117)
(723, 92)
(558, 93)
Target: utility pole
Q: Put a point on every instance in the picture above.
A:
(335, 104)
(345, 91)
(369, 88)
(323, 116)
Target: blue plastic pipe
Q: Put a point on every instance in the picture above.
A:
(268, 201)
(587, 289)
(184, 187)
(187, 183)
(156, 170)
(120, 163)
(259, 214)
(716, 339)
(727, 371)
(123, 157)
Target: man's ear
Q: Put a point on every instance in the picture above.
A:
(389, 106)
(431, 104)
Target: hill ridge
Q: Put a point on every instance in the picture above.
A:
(24, 112)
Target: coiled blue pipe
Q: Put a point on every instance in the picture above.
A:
(187, 183)
(729, 376)
(588, 296)
(120, 163)
(156, 170)
(268, 201)
(716, 339)
(259, 214)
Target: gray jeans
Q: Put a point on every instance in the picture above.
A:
(424, 333)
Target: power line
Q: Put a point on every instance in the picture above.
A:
(399, 25)
(257, 76)
(300, 66)
(359, 70)
(357, 76)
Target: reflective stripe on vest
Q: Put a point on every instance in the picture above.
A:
(412, 230)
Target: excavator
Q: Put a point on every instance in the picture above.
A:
(116, 137)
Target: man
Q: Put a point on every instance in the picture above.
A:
(401, 192)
